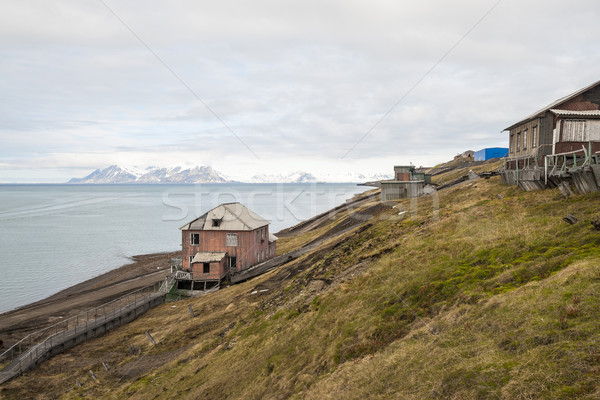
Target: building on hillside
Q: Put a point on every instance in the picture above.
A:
(554, 140)
(465, 154)
(407, 182)
(491, 152)
(227, 239)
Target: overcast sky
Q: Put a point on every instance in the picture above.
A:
(273, 86)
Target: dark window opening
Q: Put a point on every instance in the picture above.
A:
(195, 239)
(206, 268)
(232, 261)
(216, 222)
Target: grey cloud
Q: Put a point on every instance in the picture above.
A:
(296, 79)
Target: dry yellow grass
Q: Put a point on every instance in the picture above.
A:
(489, 295)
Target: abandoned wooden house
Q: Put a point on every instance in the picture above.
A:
(557, 145)
(407, 182)
(227, 239)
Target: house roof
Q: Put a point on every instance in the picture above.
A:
(208, 256)
(227, 217)
(554, 105)
(272, 238)
(570, 113)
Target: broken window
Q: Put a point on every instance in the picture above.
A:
(191, 259)
(232, 239)
(511, 143)
(519, 141)
(525, 139)
(574, 131)
(216, 222)
(194, 239)
(534, 137)
(206, 268)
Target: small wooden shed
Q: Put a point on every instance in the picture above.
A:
(407, 183)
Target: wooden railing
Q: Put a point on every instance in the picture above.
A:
(31, 343)
(559, 163)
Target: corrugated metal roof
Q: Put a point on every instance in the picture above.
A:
(587, 113)
(272, 238)
(227, 217)
(208, 256)
(541, 112)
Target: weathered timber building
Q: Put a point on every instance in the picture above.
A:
(557, 145)
(228, 239)
(406, 183)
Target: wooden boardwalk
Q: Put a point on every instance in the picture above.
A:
(60, 341)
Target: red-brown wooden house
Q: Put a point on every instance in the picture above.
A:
(569, 124)
(227, 239)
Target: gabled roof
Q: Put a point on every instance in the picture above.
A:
(227, 217)
(556, 104)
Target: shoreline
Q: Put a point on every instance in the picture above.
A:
(143, 270)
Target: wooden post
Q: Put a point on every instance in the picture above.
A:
(546, 170)
(150, 338)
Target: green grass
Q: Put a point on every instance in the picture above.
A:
(491, 296)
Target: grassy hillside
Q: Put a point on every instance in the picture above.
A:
(489, 294)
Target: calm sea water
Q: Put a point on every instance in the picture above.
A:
(55, 236)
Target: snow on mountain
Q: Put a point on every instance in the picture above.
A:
(291, 177)
(306, 177)
(355, 177)
(116, 174)
(206, 174)
(111, 174)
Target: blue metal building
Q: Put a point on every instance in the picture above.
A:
(491, 152)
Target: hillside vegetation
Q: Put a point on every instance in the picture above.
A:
(488, 294)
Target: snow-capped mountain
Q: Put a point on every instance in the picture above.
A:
(112, 174)
(206, 174)
(197, 174)
(116, 174)
(291, 177)
(306, 177)
(355, 177)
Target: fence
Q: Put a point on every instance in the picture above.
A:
(27, 351)
(558, 163)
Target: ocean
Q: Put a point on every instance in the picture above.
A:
(55, 236)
